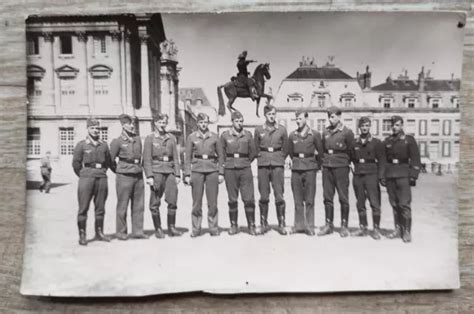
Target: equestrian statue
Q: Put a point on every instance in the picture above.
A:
(244, 86)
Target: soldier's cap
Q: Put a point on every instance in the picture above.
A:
(202, 116)
(92, 122)
(395, 119)
(301, 111)
(268, 108)
(363, 120)
(334, 110)
(236, 115)
(125, 118)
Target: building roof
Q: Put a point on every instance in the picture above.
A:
(194, 94)
(431, 85)
(316, 73)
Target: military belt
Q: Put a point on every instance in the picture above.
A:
(364, 161)
(163, 158)
(396, 161)
(335, 151)
(205, 156)
(135, 161)
(303, 155)
(237, 155)
(270, 149)
(96, 165)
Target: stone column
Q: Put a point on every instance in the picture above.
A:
(128, 74)
(82, 38)
(116, 38)
(145, 84)
(49, 38)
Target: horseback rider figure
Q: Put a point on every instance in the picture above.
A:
(243, 75)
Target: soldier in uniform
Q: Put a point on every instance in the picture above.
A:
(271, 143)
(203, 170)
(46, 170)
(401, 173)
(305, 149)
(239, 152)
(162, 171)
(337, 140)
(129, 179)
(367, 155)
(90, 162)
(243, 73)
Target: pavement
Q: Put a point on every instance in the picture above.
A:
(54, 263)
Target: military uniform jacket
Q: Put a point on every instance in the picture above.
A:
(129, 152)
(403, 156)
(271, 144)
(368, 156)
(160, 154)
(337, 142)
(45, 164)
(92, 159)
(305, 149)
(239, 148)
(203, 153)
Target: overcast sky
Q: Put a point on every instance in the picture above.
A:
(209, 44)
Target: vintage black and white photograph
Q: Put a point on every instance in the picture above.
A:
(242, 152)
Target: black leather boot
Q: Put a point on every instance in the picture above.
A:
(397, 233)
(281, 219)
(234, 228)
(361, 232)
(406, 237)
(157, 224)
(327, 229)
(251, 222)
(172, 231)
(344, 230)
(82, 232)
(99, 231)
(263, 218)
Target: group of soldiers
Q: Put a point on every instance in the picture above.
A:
(210, 160)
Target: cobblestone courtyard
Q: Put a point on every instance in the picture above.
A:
(54, 264)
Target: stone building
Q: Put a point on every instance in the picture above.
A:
(101, 66)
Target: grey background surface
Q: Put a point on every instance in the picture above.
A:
(12, 179)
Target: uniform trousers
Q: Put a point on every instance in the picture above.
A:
(164, 183)
(366, 186)
(201, 181)
(92, 188)
(303, 185)
(130, 188)
(275, 176)
(240, 179)
(336, 179)
(399, 196)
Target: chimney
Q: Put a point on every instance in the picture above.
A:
(368, 78)
(421, 80)
(360, 80)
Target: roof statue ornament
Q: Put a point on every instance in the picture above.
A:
(168, 49)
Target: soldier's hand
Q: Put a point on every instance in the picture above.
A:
(150, 181)
(383, 182)
(221, 178)
(412, 182)
(187, 180)
(178, 180)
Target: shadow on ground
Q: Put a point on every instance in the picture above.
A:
(34, 185)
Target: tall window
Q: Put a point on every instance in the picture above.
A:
(321, 125)
(33, 87)
(434, 150)
(435, 127)
(411, 127)
(423, 149)
(66, 141)
(375, 127)
(104, 133)
(423, 129)
(386, 126)
(446, 149)
(321, 101)
(456, 149)
(65, 45)
(100, 45)
(33, 141)
(457, 127)
(32, 46)
(446, 127)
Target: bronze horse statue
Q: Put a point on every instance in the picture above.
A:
(262, 72)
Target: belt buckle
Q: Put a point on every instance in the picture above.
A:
(395, 161)
(330, 151)
(301, 155)
(270, 149)
(136, 161)
(362, 161)
(98, 166)
(205, 156)
(165, 158)
(236, 155)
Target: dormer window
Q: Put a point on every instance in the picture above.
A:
(455, 101)
(386, 101)
(347, 99)
(410, 101)
(295, 98)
